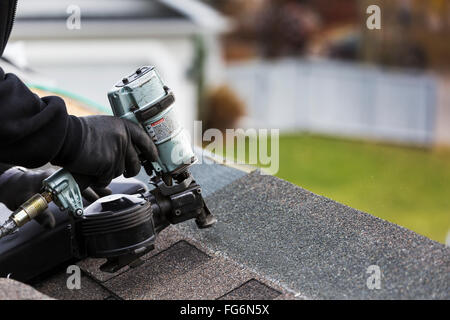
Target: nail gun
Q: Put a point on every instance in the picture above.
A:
(123, 227)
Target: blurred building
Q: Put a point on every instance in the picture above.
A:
(114, 38)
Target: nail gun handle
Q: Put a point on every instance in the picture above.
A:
(65, 191)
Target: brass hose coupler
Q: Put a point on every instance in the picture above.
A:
(31, 208)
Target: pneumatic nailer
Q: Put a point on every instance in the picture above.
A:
(120, 227)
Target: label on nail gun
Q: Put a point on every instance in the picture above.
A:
(164, 128)
(158, 122)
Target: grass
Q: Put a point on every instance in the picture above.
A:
(406, 186)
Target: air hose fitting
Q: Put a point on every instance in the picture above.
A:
(26, 212)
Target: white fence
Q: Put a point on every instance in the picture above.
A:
(337, 98)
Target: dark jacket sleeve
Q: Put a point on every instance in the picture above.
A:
(4, 167)
(33, 130)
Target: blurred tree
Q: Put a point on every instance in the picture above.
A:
(242, 43)
(336, 13)
(285, 26)
(412, 34)
(224, 108)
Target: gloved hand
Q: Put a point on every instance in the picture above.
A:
(18, 184)
(110, 147)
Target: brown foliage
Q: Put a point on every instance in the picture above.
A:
(223, 108)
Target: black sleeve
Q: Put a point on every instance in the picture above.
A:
(33, 130)
(4, 167)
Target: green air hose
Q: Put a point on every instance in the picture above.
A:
(88, 102)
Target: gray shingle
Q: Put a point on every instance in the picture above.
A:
(209, 281)
(252, 290)
(56, 287)
(320, 248)
(13, 290)
(149, 280)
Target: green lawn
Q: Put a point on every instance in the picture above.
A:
(407, 186)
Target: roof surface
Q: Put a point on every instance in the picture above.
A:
(318, 248)
(13, 290)
(179, 268)
(273, 240)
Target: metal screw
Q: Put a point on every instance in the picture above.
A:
(79, 212)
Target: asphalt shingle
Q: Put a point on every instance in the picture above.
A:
(56, 287)
(319, 248)
(252, 290)
(13, 290)
(208, 281)
(179, 268)
(147, 280)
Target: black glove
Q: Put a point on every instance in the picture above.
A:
(111, 147)
(18, 184)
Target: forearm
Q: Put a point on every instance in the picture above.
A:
(34, 131)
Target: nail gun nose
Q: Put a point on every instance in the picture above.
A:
(205, 219)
